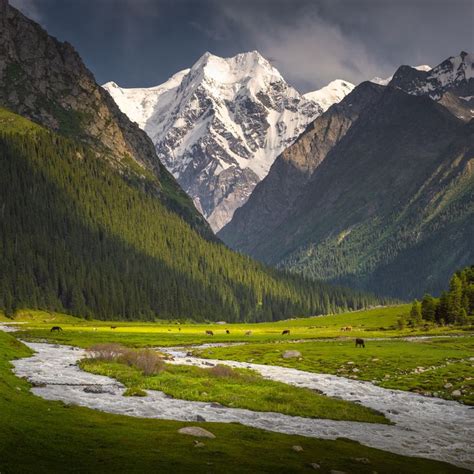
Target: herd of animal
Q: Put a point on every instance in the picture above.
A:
(286, 332)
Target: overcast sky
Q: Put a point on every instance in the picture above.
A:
(140, 43)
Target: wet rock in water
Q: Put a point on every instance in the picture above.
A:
(200, 418)
(291, 354)
(216, 405)
(297, 448)
(456, 393)
(95, 389)
(315, 466)
(196, 431)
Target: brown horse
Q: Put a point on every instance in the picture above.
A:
(360, 343)
(285, 331)
(56, 328)
(227, 331)
(209, 333)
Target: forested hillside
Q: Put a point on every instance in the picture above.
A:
(78, 235)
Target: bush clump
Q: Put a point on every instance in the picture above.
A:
(146, 360)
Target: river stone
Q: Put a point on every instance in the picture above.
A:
(200, 418)
(95, 389)
(291, 354)
(196, 431)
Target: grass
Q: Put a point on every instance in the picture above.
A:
(233, 388)
(39, 436)
(424, 366)
(12, 123)
(378, 322)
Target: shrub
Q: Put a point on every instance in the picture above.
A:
(107, 351)
(146, 360)
(223, 371)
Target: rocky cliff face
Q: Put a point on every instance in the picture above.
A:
(49, 84)
(384, 203)
(271, 204)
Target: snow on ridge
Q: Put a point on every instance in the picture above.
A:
(334, 92)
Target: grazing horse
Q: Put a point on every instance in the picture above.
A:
(360, 343)
(285, 331)
(56, 328)
(227, 331)
(248, 333)
(209, 333)
(113, 327)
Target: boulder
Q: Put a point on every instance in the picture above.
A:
(291, 354)
(196, 431)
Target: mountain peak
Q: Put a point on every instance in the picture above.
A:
(328, 95)
(242, 66)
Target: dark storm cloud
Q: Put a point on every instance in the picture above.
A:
(143, 42)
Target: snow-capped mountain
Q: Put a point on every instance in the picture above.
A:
(331, 94)
(219, 126)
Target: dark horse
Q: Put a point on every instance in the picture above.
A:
(286, 331)
(360, 343)
(56, 328)
(227, 331)
(209, 333)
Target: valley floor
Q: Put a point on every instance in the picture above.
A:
(427, 427)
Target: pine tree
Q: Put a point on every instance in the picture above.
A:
(415, 313)
(428, 308)
(454, 307)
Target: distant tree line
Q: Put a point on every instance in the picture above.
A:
(453, 306)
(79, 235)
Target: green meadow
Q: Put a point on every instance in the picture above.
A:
(39, 436)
